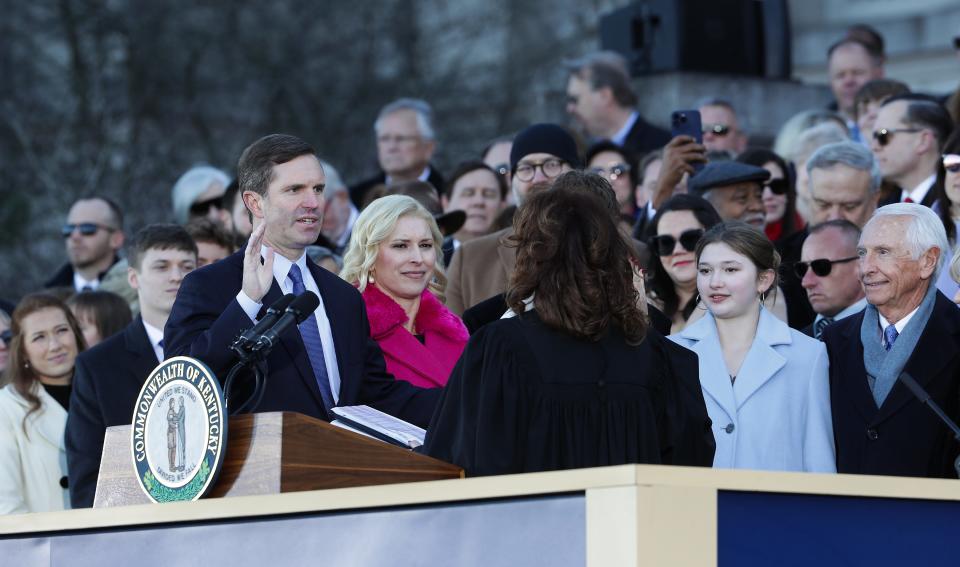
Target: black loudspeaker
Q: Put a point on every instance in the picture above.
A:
(734, 37)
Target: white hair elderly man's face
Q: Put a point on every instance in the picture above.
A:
(893, 280)
(401, 148)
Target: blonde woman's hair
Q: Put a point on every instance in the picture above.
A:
(374, 225)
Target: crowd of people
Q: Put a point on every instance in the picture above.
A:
(566, 298)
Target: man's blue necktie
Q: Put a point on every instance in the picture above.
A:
(890, 334)
(311, 340)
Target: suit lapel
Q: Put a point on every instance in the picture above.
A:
(335, 313)
(138, 345)
(762, 361)
(713, 374)
(851, 372)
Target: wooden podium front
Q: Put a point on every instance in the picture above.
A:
(278, 452)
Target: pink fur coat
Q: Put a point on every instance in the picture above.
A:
(429, 364)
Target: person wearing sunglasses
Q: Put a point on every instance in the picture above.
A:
(198, 193)
(779, 195)
(828, 273)
(908, 136)
(676, 229)
(616, 165)
(721, 128)
(92, 235)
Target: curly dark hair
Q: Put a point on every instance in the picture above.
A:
(573, 258)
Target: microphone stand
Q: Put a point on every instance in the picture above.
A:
(924, 397)
(248, 358)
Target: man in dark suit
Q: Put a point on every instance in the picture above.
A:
(405, 144)
(828, 273)
(108, 377)
(331, 359)
(908, 326)
(601, 100)
(907, 136)
(93, 234)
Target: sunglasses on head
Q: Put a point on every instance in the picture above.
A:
(951, 162)
(882, 136)
(777, 186)
(85, 228)
(6, 337)
(201, 209)
(821, 266)
(663, 244)
(716, 129)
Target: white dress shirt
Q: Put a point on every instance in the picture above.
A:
(918, 193)
(281, 268)
(80, 282)
(156, 337)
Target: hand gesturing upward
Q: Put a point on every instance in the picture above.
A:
(257, 276)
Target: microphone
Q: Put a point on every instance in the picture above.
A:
(924, 397)
(301, 308)
(249, 337)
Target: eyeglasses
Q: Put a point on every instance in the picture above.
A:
(551, 168)
(502, 168)
(387, 139)
(882, 136)
(6, 337)
(201, 209)
(951, 162)
(777, 186)
(614, 172)
(821, 266)
(716, 129)
(663, 244)
(85, 228)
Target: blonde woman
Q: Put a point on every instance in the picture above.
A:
(394, 260)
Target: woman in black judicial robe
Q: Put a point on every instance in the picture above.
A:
(575, 378)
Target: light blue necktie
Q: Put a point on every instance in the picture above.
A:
(890, 334)
(310, 334)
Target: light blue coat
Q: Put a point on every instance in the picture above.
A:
(776, 415)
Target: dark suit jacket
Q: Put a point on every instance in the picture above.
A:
(359, 191)
(928, 200)
(206, 319)
(903, 437)
(645, 137)
(106, 382)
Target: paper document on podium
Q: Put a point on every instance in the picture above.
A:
(379, 425)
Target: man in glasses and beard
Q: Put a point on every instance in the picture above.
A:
(93, 234)
(828, 273)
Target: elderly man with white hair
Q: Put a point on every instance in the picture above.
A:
(406, 142)
(907, 327)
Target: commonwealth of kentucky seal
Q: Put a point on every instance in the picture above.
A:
(179, 431)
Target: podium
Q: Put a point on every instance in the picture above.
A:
(275, 453)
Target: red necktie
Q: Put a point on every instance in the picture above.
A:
(908, 200)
